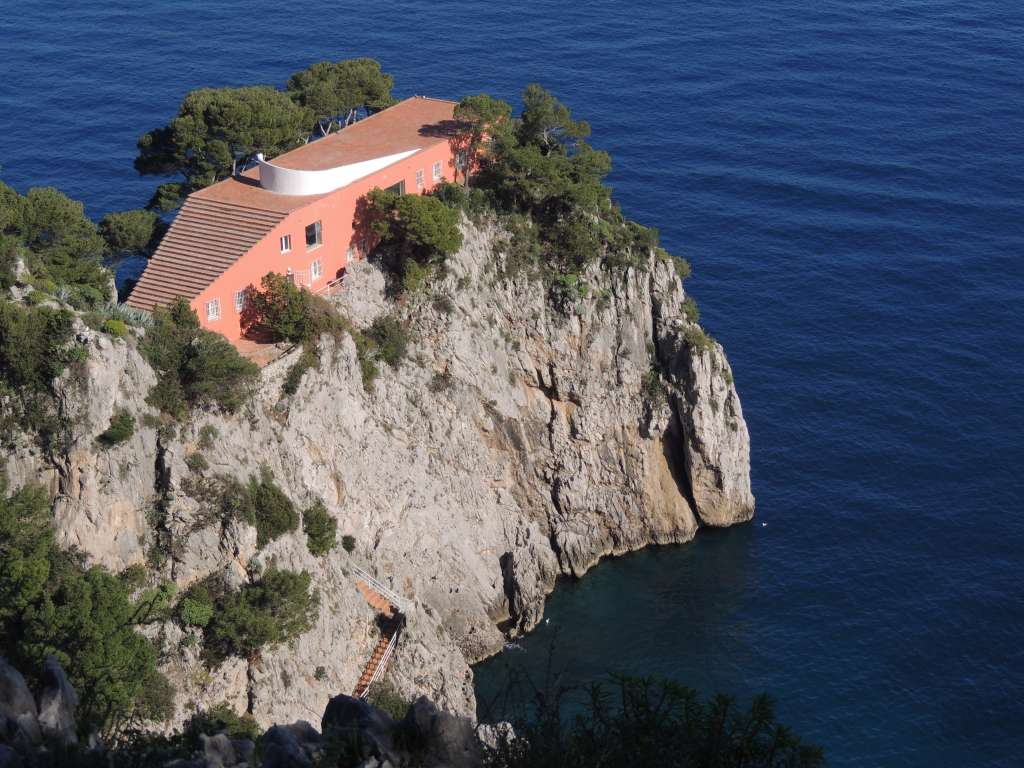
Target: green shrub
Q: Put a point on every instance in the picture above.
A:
(36, 345)
(320, 528)
(194, 367)
(207, 434)
(444, 305)
(269, 509)
(116, 328)
(365, 352)
(691, 310)
(682, 267)
(290, 313)
(348, 543)
(195, 609)
(652, 387)
(441, 382)
(275, 609)
(415, 232)
(196, 462)
(385, 697)
(297, 370)
(697, 340)
(390, 339)
(122, 427)
(220, 718)
(415, 276)
(260, 502)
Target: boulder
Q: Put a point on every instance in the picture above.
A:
(364, 728)
(291, 746)
(440, 738)
(57, 703)
(19, 722)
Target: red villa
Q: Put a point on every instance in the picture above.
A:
(293, 215)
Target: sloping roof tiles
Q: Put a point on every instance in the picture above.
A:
(205, 239)
(219, 224)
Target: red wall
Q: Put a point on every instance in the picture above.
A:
(335, 212)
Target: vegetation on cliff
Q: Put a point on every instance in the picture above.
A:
(652, 722)
(218, 131)
(52, 603)
(194, 367)
(537, 178)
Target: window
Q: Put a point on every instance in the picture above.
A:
(314, 236)
(213, 309)
(460, 160)
(351, 252)
(398, 188)
(314, 269)
(437, 171)
(286, 243)
(419, 179)
(240, 299)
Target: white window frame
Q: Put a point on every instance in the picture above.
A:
(319, 235)
(212, 310)
(352, 252)
(240, 299)
(316, 270)
(286, 243)
(436, 171)
(419, 179)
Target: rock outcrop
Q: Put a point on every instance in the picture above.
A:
(354, 733)
(516, 443)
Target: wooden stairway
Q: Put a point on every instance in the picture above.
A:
(390, 621)
(376, 600)
(375, 660)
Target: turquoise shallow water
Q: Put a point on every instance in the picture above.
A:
(847, 179)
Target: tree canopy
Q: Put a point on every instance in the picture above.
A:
(130, 232)
(275, 609)
(219, 130)
(539, 174)
(60, 245)
(194, 367)
(337, 92)
(481, 117)
(36, 344)
(51, 604)
(647, 722)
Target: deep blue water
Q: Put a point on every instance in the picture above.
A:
(847, 178)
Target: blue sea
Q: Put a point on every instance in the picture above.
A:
(847, 178)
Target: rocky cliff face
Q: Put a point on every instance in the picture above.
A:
(517, 443)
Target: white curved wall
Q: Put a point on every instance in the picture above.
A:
(289, 181)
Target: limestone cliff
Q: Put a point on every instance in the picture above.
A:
(517, 443)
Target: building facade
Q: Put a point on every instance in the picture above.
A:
(294, 214)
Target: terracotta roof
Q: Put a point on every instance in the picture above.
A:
(205, 239)
(415, 123)
(219, 224)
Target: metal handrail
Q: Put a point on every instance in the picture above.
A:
(393, 597)
(329, 287)
(378, 673)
